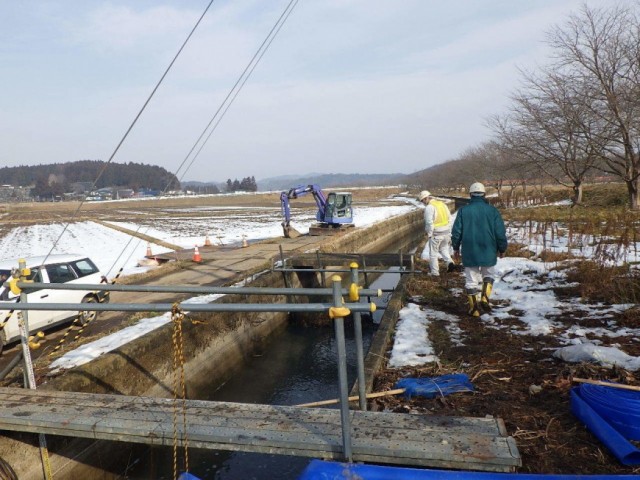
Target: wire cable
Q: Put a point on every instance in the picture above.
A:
(283, 18)
(242, 79)
(223, 108)
(135, 120)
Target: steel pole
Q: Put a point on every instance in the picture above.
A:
(107, 287)
(357, 328)
(29, 375)
(338, 324)
(186, 306)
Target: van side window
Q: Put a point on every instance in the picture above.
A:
(84, 267)
(60, 273)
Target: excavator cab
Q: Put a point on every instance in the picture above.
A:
(338, 208)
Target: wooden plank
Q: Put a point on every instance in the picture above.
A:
(266, 416)
(454, 442)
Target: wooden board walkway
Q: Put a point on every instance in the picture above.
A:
(394, 438)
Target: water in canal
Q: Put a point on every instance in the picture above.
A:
(297, 366)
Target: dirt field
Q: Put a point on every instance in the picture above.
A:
(21, 214)
(502, 368)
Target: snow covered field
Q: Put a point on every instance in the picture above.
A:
(112, 250)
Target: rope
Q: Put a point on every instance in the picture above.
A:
(76, 320)
(177, 316)
(8, 317)
(6, 471)
(31, 383)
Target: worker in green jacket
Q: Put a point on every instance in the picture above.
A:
(480, 232)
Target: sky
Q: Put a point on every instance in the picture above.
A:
(347, 86)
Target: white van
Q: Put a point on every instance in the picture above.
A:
(51, 269)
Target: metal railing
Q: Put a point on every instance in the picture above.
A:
(337, 310)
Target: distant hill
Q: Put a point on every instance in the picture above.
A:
(63, 175)
(331, 180)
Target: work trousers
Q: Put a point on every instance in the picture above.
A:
(474, 276)
(439, 244)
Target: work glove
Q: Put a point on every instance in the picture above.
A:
(456, 256)
(501, 254)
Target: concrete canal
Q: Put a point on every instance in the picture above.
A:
(257, 358)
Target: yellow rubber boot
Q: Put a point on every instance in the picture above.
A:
(474, 310)
(487, 288)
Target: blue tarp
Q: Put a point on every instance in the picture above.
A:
(187, 476)
(612, 415)
(322, 470)
(432, 387)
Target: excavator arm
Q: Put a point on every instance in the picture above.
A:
(296, 192)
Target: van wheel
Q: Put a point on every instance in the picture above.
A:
(88, 316)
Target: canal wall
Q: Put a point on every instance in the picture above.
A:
(215, 346)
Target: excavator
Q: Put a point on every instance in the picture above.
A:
(334, 210)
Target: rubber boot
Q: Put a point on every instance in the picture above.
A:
(474, 309)
(487, 288)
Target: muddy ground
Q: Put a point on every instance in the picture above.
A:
(502, 368)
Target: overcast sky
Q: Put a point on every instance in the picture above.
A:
(348, 86)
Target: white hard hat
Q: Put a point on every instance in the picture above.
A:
(476, 188)
(424, 194)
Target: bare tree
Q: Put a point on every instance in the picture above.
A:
(602, 49)
(551, 126)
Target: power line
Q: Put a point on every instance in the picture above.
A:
(242, 79)
(224, 106)
(135, 120)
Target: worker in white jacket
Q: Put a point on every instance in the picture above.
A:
(437, 224)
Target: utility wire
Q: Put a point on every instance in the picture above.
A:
(135, 120)
(222, 109)
(242, 79)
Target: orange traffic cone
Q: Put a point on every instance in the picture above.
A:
(207, 242)
(149, 254)
(196, 255)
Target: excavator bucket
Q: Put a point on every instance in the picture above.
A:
(290, 232)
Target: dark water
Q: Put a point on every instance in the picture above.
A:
(297, 366)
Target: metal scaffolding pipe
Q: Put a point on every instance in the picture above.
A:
(191, 307)
(344, 270)
(108, 287)
(338, 324)
(357, 329)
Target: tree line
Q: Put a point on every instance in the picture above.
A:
(575, 118)
(247, 184)
(56, 179)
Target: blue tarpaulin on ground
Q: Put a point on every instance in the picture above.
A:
(187, 476)
(432, 387)
(322, 470)
(612, 415)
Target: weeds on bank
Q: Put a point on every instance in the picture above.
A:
(603, 231)
(609, 284)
